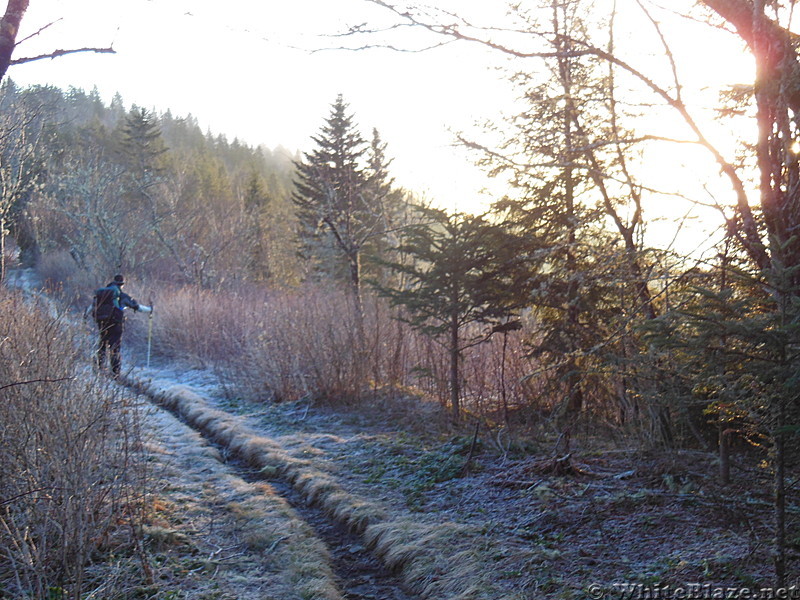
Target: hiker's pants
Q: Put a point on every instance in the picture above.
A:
(111, 339)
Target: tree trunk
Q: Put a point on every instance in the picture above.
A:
(724, 455)
(2, 249)
(503, 394)
(455, 354)
(354, 263)
(9, 27)
(572, 313)
(780, 500)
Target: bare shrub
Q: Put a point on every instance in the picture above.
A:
(507, 367)
(63, 279)
(303, 343)
(289, 344)
(65, 446)
(313, 337)
(204, 326)
(55, 268)
(11, 254)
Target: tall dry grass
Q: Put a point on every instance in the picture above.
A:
(65, 281)
(283, 344)
(305, 343)
(69, 477)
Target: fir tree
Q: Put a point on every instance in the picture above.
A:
(142, 149)
(465, 273)
(256, 202)
(338, 204)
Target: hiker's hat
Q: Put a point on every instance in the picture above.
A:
(119, 279)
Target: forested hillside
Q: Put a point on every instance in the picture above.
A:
(119, 188)
(504, 392)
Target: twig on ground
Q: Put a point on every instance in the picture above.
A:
(468, 462)
(276, 542)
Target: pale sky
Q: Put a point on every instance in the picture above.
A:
(246, 71)
(243, 68)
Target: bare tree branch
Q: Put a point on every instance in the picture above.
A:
(38, 31)
(754, 243)
(18, 383)
(57, 53)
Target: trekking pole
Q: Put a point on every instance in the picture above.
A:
(149, 333)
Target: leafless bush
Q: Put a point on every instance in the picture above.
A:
(66, 444)
(62, 278)
(495, 377)
(10, 254)
(311, 344)
(56, 267)
(289, 345)
(304, 343)
(196, 324)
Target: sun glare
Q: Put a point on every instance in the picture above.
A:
(267, 88)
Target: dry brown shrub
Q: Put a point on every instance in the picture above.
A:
(286, 345)
(66, 446)
(306, 343)
(62, 278)
(200, 325)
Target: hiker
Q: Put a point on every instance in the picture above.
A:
(107, 309)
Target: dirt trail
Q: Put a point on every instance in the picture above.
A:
(215, 535)
(360, 574)
(219, 529)
(207, 484)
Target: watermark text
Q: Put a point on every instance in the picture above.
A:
(688, 591)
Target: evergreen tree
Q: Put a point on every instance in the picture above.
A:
(544, 164)
(256, 203)
(339, 206)
(142, 150)
(465, 273)
(393, 205)
(565, 158)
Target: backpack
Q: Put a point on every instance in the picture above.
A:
(106, 303)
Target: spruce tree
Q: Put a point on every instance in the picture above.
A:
(142, 150)
(256, 202)
(337, 203)
(543, 162)
(466, 277)
(565, 159)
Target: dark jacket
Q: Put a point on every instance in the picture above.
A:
(121, 302)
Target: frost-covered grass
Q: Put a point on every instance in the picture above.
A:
(436, 557)
(509, 527)
(218, 537)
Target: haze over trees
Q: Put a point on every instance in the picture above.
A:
(556, 307)
(130, 190)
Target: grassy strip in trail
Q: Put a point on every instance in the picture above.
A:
(211, 535)
(436, 561)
